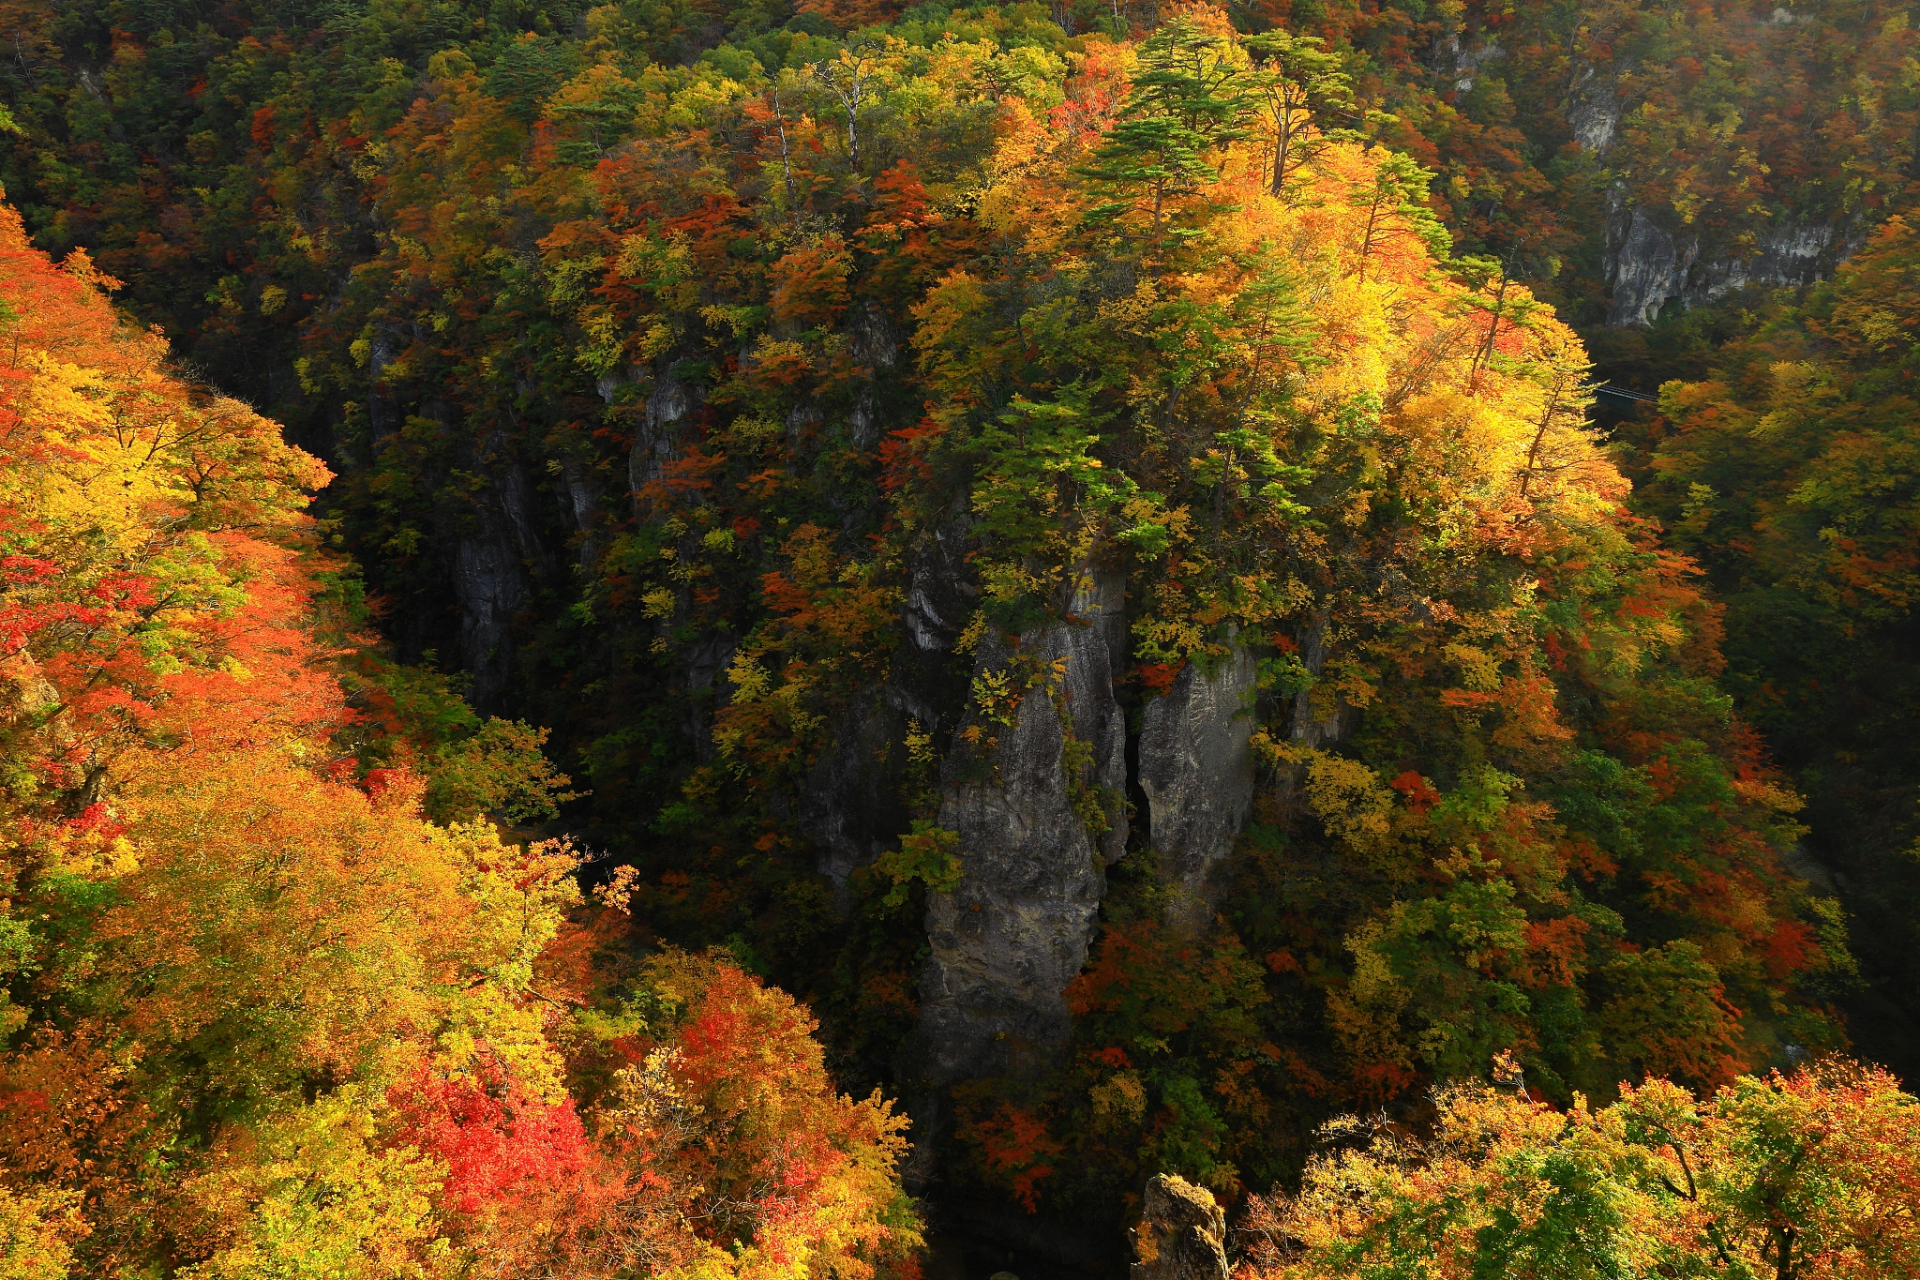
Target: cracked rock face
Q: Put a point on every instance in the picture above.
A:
(1648, 269)
(1095, 650)
(1595, 110)
(1014, 932)
(704, 668)
(667, 406)
(1794, 255)
(940, 596)
(1196, 768)
(1009, 938)
(851, 806)
(1654, 257)
(1182, 1233)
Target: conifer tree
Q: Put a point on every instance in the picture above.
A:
(1190, 96)
(1303, 89)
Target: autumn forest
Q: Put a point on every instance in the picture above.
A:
(822, 640)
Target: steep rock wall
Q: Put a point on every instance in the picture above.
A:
(1649, 267)
(1182, 1233)
(1007, 940)
(1196, 768)
(668, 405)
(851, 807)
(498, 551)
(491, 587)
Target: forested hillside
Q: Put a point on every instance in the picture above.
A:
(1074, 542)
(264, 1019)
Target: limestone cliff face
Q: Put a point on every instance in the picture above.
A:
(1012, 934)
(1593, 109)
(1038, 803)
(1095, 646)
(1196, 769)
(668, 407)
(1182, 1233)
(491, 586)
(851, 807)
(1650, 267)
(499, 549)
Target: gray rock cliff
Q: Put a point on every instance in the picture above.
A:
(851, 806)
(1650, 267)
(667, 406)
(490, 584)
(1196, 768)
(1594, 110)
(1007, 940)
(1182, 1233)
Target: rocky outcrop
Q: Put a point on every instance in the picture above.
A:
(385, 413)
(1320, 717)
(1468, 59)
(872, 341)
(1791, 256)
(1650, 267)
(667, 406)
(500, 551)
(1007, 939)
(1594, 110)
(704, 665)
(581, 492)
(1182, 1233)
(851, 806)
(1653, 258)
(1196, 769)
(940, 597)
(1646, 268)
(1094, 642)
